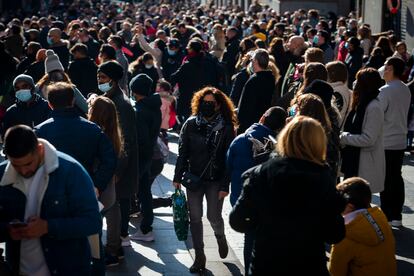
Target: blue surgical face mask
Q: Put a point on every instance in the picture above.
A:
(315, 40)
(24, 95)
(49, 41)
(346, 45)
(105, 87)
(171, 52)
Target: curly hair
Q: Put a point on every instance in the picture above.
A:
(226, 105)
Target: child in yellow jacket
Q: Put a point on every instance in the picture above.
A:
(369, 246)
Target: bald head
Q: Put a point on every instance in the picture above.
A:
(296, 44)
(55, 34)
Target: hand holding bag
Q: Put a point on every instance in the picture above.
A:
(180, 214)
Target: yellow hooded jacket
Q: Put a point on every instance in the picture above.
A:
(362, 252)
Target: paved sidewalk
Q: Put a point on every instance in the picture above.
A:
(168, 256)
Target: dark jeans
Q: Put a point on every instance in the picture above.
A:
(392, 198)
(145, 198)
(249, 238)
(125, 207)
(214, 207)
(113, 229)
(98, 265)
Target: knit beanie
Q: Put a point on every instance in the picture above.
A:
(25, 78)
(141, 84)
(52, 62)
(322, 89)
(112, 69)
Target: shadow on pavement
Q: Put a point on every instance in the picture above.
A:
(404, 238)
(234, 269)
(404, 268)
(408, 160)
(166, 255)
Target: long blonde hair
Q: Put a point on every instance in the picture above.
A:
(303, 138)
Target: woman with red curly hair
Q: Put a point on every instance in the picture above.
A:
(204, 140)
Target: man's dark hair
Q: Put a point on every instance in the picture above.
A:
(34, 47)
(195, 45)
(398, 66)
(262, 57)
(79, 48)
(356, 191)
(60, 95)
(275, 118)
(108, 51)
(337, 71)
(354, 41)
(117, 41)
(84, 31)
(182, 25)
(19, 141)
(165, 85)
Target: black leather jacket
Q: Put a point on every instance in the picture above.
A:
(194, 154)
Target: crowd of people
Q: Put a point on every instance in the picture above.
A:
(273, 109)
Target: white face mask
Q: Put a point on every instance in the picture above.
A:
(149, 66)
(105, 87)
(24, 95)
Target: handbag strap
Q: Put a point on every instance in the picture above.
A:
(213, 156)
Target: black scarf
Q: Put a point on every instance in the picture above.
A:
(209, 128)
(350, 154)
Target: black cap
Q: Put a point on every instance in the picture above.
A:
(141, 84)
(174, 42)
(322, 89)
(112, 69)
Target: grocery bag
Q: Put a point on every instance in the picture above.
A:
(180, 214)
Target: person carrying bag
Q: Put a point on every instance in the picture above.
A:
(204, 140)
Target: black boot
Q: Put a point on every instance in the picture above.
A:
(223, 248)
(199, 264)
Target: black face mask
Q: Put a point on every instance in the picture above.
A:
(207, 109)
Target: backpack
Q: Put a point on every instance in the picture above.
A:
(262, 150)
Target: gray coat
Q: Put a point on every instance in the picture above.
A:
(372, 156)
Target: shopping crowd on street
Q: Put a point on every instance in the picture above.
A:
(271, 110)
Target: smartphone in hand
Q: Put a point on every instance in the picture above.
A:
(17, 224)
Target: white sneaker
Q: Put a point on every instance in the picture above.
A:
(396, 223)
(125, 241)
(139, 236)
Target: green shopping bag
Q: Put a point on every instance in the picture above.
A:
(180, 214)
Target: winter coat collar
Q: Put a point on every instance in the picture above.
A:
(259, 130)
(114, 92)
(36, 99)
(51, 163)
(65, 112)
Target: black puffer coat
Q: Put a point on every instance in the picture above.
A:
(294, 208)
(195, 73)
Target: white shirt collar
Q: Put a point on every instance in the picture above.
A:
(351, 216)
